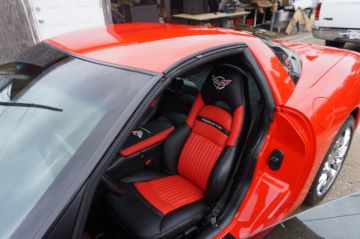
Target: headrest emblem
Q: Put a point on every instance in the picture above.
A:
(220, 82)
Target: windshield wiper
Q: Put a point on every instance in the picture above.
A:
(30, 105)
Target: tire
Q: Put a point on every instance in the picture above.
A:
(319, 189)
(335, 44)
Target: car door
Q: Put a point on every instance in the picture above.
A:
(281, 172)
(284, 160)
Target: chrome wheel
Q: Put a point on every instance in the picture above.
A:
(334, 162)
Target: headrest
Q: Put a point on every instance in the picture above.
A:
(225, 84)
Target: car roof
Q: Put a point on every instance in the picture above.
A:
(147, 46)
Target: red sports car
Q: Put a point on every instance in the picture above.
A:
(169, 131)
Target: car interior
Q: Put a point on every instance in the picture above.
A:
(177, 163)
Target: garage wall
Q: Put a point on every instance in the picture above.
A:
(15, 29)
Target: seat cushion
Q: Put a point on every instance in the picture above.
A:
(142, 219)
(169, 193)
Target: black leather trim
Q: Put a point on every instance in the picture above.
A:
(175, 118)
(123, 166)
(133, 213)
(142, 220)
(221, 173)
(143, 175)
(172, 148)
(181, 219)
(213, 124)
(231, 93)
(146, 131)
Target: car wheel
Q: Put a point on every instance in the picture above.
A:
(332, 164)
(335, 44)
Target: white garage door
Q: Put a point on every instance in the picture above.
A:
(54, 17)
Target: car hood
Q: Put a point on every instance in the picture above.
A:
(316, 61)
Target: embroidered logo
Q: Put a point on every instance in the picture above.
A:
(138, 133)
(220, 82)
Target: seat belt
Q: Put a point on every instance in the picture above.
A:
(216, 210)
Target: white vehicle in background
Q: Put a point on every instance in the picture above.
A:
(337, 22)
(304, 4)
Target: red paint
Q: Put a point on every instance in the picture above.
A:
(147, 46)
(147, 143)
(160, 46)
(304, 131)
(317, 60)
(302, 128)
(169, 193)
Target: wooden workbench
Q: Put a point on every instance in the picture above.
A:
(211, 16)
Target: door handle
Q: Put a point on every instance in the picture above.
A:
(276, 159)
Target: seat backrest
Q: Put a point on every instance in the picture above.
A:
(205, 148)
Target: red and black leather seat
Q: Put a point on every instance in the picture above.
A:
(197, 161)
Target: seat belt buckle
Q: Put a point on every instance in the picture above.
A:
(212, 220)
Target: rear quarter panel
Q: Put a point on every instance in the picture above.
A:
(327, 105)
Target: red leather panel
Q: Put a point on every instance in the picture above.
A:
(147, 143)
(205, 143)
(211, 133)
(169, 193)
(217, 115)
(238, 118)
(197, 106)
(198, 158)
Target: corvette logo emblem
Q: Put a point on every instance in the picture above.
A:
(220, 82)
(138, 133)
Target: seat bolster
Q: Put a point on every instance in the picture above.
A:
(143, 175)
(133, 213)
(172, 148)
(179, 220)
(136, 216)
(220, 174)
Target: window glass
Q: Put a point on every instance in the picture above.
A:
(48, 109)
(289, 59)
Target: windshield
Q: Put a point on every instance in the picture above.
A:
(289, 59)
(36, 143)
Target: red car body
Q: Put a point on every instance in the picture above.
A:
(307, 118)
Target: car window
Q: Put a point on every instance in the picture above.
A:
(289, 59)
(199, 75)
(50, 106)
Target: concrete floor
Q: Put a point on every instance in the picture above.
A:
(348, 180)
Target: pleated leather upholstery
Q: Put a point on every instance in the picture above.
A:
(169, 193)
